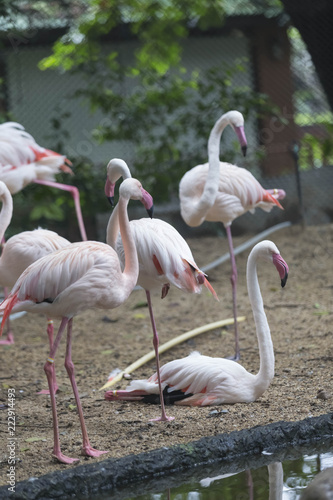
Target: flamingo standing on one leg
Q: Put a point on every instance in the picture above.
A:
(81, 276)
(23, 161)
(201, 380)
(164, 256)
(219, 191)
(21, 250)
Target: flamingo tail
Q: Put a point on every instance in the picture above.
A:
(211, 289)
(194, 277)
(45, 154)
(144, 396)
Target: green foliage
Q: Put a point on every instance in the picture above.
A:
(311, 109)
(317, 150)
(168, 121)
(164, 112)
(159, 26)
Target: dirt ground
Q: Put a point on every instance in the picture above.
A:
(301, 322)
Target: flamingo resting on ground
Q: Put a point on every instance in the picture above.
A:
(81, 276)
(23, 161)
(21, 250)
(221, 192)
(164, 256)
(199, 380)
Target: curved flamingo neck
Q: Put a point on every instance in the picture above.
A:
(116, 169)
(6, 212)
(266, 352)
(131, 269)
(209, 192)
(112, 229)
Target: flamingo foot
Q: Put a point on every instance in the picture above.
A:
(91, 452)
(47, 392)
(163, 418)
(9, 340)
(64, 459)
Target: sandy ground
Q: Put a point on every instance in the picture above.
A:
(300, 318)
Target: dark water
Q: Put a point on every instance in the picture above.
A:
(278, 481)
(280, 476)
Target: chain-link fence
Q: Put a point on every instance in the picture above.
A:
(294, 153)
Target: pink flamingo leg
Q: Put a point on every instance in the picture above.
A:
(69, 365)
(48, 368)
(164, 417)
(9, 340)
(50, 336)
(76, 197)
(233, 280)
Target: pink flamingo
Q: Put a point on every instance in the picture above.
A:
(199, 380)
(164, 257)
(78, 277)
(22, 250)
(23, 161)
(219, 191)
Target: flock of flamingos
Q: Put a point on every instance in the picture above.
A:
(48, 274)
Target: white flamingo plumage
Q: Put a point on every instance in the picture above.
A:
(81, 276)
(199, 380)
(21, 250)
(164, 256)
(221, 192)
(23, 161)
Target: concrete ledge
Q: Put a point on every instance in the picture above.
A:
(113, 476)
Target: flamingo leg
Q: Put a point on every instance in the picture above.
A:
(50, 330)
(233, 279)
(9, 332)
(48, 368)
(164, 417)
(76, 197)
(69, 365)
(249, 482)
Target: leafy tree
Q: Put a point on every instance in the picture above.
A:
(168, 113)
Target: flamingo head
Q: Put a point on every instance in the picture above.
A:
(282, 268)
(109, 191)
(132, 189)
(242, 138)
(236, 121)
(116, 169)
(268, 251)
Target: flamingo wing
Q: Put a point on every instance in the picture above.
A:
(196, 380)
(22, 249)
(15, 145)
(238, 192)
(22, 160)
(74, 278)
(164, 256)
(205, 379)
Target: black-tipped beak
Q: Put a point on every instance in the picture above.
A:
(284, 280)
(244, 149)
(150, 211)
(111, 200)
(282, 268)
